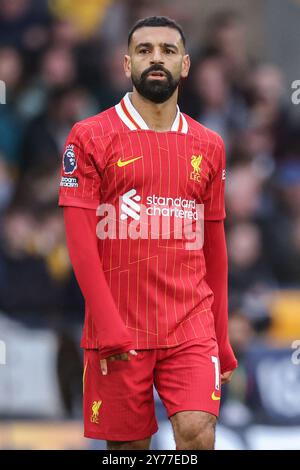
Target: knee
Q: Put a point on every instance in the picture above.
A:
(129, 445)
(195, 432)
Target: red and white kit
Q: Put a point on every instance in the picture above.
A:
(158, 286)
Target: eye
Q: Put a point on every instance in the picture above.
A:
(170, 51)
(143, 51)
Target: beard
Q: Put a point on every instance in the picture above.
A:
(157, 91)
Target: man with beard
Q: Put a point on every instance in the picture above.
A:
(156, 306)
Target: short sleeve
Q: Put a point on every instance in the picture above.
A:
(214, 203)
(80, 180)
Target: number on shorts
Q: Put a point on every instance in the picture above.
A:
(215, 360)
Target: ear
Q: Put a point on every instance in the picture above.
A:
(186, 64)
(127, 66)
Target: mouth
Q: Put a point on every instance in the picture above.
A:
(157, 74)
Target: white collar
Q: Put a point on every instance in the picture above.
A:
(132, 118)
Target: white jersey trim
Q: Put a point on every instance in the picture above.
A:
(134, 121)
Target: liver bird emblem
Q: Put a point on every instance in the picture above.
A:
(95, 411)
(196, 162)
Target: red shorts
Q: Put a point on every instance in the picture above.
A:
(120, 406)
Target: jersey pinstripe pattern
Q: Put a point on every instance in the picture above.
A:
(158, 285)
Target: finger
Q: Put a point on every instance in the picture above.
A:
(103, 366)
(225, 381)
(226, 378)
(124, 357)
(116, 357)
(133, 352)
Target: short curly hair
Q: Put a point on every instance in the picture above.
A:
(155, 21)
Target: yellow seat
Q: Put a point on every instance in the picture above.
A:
(86, 15)
(285, 313)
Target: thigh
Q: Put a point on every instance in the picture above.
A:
(119, 406)
(187, 377)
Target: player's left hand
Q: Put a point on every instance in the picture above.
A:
(226, 377)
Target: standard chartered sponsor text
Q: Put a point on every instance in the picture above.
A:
(160, 218)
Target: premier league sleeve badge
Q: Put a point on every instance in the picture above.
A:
(69, 160)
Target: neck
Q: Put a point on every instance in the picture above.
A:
(158, 116)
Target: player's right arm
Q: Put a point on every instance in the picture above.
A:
(80, 203)
(80, 225)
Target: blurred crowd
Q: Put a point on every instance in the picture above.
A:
(61, 61)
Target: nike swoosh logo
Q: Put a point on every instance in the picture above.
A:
(121, 163)
(214, 397)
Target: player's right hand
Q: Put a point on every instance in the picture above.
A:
(116, 357)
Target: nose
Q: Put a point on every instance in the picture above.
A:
(157, 57)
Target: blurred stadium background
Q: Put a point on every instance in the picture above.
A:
(61, 61)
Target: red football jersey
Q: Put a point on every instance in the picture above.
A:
(152, 182)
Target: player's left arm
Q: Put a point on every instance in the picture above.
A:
(216, 259)
(215, 253)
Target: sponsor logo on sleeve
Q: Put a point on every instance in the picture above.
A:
(69, 182)
(69, 160)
